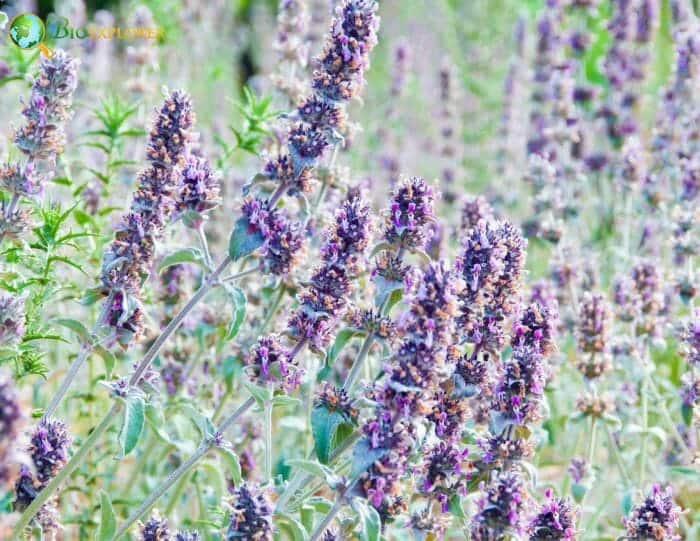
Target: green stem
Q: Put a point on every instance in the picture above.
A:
(273, 310)
(592, 440)
(268, 439)
(645, 427)
(184, 468)
(175, 323)
(85, 349)
(62, 475)
(357, 364)
(161, 489)
(668, 420)
(618, 458)
(175, 496)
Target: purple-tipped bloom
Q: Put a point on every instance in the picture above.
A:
(199, 191)
(49, 449)
(536, 328)
(448, 415)
(656, 518)
(411, 209)
(444, 473)
(128, 260)
(269, 362)
(690, 390)
(578, 469)
(10, 420)
(690, 337)
(555, 520)
(501, 507)
(475, 209)
(43, 137)
(339, 76)
(594, 321)
(325, 297)
(21, 179)
(251, 515)
(11, 319)
(155, 528)
(520, 389)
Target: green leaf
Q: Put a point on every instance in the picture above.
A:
(342, 338)
(371, 524)
(262, 395)
(314, 468)
(156, 420)
(109, 359)
(233, 462)
(244, 239)
(293, 526)
(186, 255)
(216, 479)
(283, 400)
(329, 428)
(132, 427)
(455, 506)
(239, 308)
(108, 522)
(76, 326)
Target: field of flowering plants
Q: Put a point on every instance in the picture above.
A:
(319, 270)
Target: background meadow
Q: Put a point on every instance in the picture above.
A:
(316, 269)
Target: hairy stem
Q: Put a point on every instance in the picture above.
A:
(86, 348)
(211, 280)
(183, 469)
(357, 364)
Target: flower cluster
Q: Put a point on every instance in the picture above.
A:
(128, 259)
(491, 263)
(592, 330)
(657, 517)
(156, 529)
(11, 319)
(43, 137)
(251, 514)
(10, 424)
(404, 397)
(555, 520)
(501, 507)
(198, 192)
(324, 299)
(411, 209)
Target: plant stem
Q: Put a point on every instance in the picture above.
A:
(161, 489)
(321, 528)
(357, 364)
(205, 247)
(645, 427)
(242, 274)
(62, 475)
(85, 349)
(318, 532)
(670, 425)
(184, 468)
(268, 437)
(177, 321)
(592, 440)
(272, 310)
(618, 458)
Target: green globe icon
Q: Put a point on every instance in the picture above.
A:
(27, 31)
